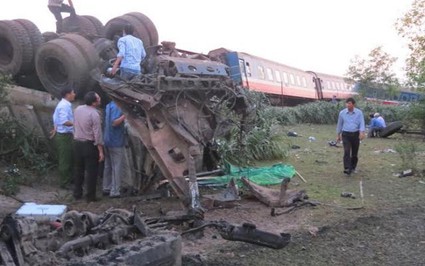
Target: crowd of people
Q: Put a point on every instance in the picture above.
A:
(83, 141)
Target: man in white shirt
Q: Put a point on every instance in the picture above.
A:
(63, 121)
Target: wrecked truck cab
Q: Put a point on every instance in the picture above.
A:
(178, 108)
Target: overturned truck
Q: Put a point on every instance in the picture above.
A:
(176, 108)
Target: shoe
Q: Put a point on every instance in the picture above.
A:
(354, 171)
(347, 172)
(115, 196)
(106, 192)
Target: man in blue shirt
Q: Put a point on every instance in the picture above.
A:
(63, 121)
(130, 54)
(377, 123)
(350, 129)
(114, 144)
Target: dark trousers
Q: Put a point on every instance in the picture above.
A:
(85, 162)
(64, 147)
(57, 10)
(351, 143)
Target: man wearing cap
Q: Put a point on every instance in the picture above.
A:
(376, 125)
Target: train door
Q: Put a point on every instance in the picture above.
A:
(232, 61)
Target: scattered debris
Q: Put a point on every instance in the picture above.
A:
(225, 198)
(246, 233)
(311, 139)
(385, 151)
(295, 147)
(275, 197)
(333, 143)
(405, 173)
(300, 176)
(348, 195)
(292, 134)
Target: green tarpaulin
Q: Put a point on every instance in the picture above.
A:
(270, 175)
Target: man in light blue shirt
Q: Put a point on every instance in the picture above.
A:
(130, 54)
(377, 123)
(63, 121)
(350, 129)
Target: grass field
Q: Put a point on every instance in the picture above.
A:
(389, 229)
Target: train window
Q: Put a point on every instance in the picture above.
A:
(333, 85)
(269, 74)
(298, 80)
(291, 78)
(285, 77)
(337, 86)
(277, 75)
(248, 69)
(304, 82)
(328, 85)
(261, 72)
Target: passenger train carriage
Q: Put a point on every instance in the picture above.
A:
(281, 82)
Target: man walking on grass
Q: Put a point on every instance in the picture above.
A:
(351, 130)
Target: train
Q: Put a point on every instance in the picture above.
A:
(290, 86)
(282, 84)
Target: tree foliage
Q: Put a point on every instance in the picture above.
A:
(375, 71)
(412, 27)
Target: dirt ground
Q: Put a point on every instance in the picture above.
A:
(384, 227)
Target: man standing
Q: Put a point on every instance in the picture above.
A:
(57, 7)
(63, 121)
(88, 146)
(130, 54)
(114, 140)
(350, 129)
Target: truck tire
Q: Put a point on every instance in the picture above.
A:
(115, 25)
(100, 29)
(153, 33)
(60, 63)
(391, 129)
(16, 50)
(35, 37)
(49, 35)
(105, 48)
(85, 47)
(79, 24)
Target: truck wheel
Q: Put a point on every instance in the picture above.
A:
(391, 129)
(100, 29)
(79, 24)
(153, 33)
(49, 35)
(105, 48)
(35, 37)
(115, 25)
(60, 63)
(16, 50)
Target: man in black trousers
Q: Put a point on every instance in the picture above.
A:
(351, 130)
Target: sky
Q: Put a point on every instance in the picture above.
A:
(317, 35)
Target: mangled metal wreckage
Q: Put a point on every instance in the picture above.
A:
(178, 109)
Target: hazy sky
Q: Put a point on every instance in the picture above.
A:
(318, 35)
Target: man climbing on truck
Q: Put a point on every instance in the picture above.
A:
(57, 7)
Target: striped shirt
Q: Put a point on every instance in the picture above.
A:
(132, 52)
